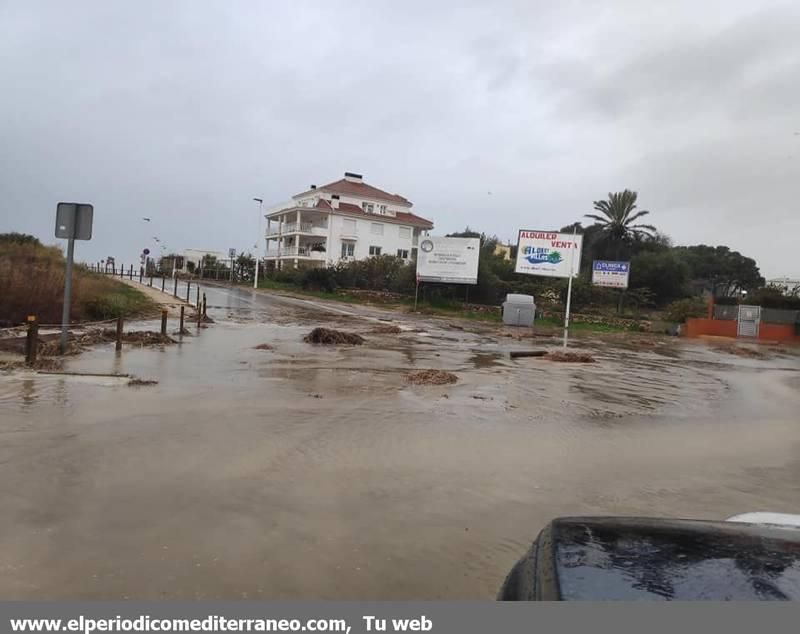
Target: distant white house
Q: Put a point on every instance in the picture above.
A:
(787, 285)
(195, 256)
(342, 221)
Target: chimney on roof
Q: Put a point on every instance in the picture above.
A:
(335, 201)
(353, 177)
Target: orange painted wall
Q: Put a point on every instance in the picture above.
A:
(777, 332)
(696, 327)
(716, 327)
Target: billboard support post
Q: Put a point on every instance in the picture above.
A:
(569, 288)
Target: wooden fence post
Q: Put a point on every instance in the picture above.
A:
(198, 297)
(131, 272)
(163, 281)
(163, 322)
(118, 345)
(32, 340)
(204, 306)
(188, 288)
(181, 330)
(175, 290)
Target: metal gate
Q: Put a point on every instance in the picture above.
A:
(749, 320)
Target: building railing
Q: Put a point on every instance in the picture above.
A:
(299, 251)
(297, 227)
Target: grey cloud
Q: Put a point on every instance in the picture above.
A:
(185, 111)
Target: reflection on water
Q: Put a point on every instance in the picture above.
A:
(324, 463)
(27, 393)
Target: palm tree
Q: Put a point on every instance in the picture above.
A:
(618, 216)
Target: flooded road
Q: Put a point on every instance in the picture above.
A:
(316, 472)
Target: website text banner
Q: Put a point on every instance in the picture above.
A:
(448, 260)
(611, 273)
(449, 617)
(548, 254)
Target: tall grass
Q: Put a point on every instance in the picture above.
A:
(32, 283)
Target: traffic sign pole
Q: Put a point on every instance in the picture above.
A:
(67, 295)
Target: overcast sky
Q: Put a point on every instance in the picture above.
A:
(495, 115)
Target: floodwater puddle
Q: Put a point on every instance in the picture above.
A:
(323, 462)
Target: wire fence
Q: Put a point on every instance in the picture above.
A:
(179, 288)
(768, 315)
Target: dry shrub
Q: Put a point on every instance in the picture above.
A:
(431, 377)
(328, 336)
(570, 357)
(32, 283)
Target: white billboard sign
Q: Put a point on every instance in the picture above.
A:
(612, 274)
(548, 253)
(449, 260)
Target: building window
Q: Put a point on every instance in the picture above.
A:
(375, 250)
(376, 229)
(402, 253)
(405, 232)
(382, 209)
(348, 249)
(368, 207)
(349, 227)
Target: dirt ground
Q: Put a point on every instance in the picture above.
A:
(166, 300)
(313, 471)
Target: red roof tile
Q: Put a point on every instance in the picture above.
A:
(402, 217)
(350, 188)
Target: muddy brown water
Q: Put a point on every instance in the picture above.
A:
(318, 472)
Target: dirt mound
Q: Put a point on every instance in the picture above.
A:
(431, 377)
(570, 357)
(386, 329)
(747, 353)
(264, 346)
(136, 382)
(41, 363)
(141, 337)
(328, 336)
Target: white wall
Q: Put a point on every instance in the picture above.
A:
(389, 242)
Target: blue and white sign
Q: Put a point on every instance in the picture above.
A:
(613, 274)
(548, 253)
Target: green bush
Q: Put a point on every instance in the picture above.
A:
(288, 276)
(663, 272)
(770, 297)
(680, 310)
(320, 279)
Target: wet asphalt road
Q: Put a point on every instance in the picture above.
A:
(308, 472)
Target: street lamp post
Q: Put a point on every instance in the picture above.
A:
(258, 241)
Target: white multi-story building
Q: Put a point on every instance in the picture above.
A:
(342, 221)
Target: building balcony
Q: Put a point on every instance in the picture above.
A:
(305, 228)
(295, 252)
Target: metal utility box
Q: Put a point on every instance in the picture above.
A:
(518, 310)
